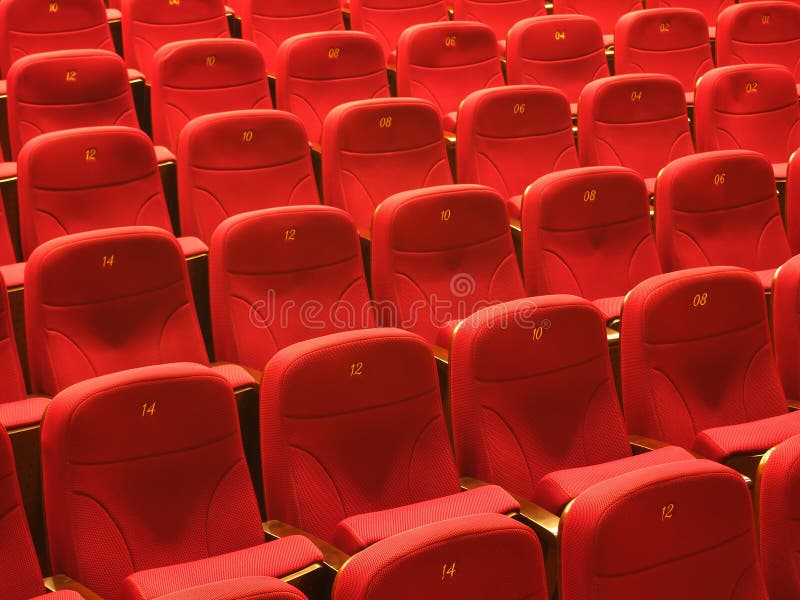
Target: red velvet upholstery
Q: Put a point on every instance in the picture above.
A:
(587, 232)
(709, 8)
(534, 408)
(720, 208)
(243, 588)
(760, 33)
(148, 25)
(792, 203)
(283, 275)
(89, 178)
(16, 410)
(438, 255)
(484, 556)
(500, 15)
(20, 576)
(372, 149)
(374, 440)
(786, 325)
(26, 28)
(387, 19)
(318, 71)
(752, 107)
(607, 12)
(508, 137)
(682, 530)
(228, 161)
(143, 469)
(194, 78)
(777, 490)
(563, 51)
(673, 41)
(65, 89)
(444, 62)
(637, 121)
(104, 301)
(696, 356)
(269, 23)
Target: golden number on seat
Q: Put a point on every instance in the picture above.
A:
(667, 512)
(664, 27)
(148, 409)
(385, 122)
(54, 7)
(519, 108)
(174, 2)
(108, 261)
(90, 154)
(334, 52)
(446, 214)
(538, 332)
(700, 299)
(590, 195)
(765, 19)
(448, 570)
(289, 234)
(561, 35)
(751, 87)
(450, 41)
(211, 61)
(719, 178)
(72, 75)
(356, 369)
(247, 135)
(636, 96)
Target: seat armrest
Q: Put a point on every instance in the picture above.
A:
(794, 405)
(332, 556)
(254, 373)
(192, 246)
(641, 444)
(365, 235)
(543, 522)
(442, 355)
(8, 171)
(57, 583)
(164, 155)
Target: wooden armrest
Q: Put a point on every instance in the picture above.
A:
(794, 405)
(641, 444)
(331, 555)
(450, 137)
(315, 148)
(365, 235)
(254, 373)
(442, 355)
(62, 582)
(540, 519)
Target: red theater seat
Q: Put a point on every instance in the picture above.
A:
(372, 149)
(636, 121)
(681, 530)
(751, 107)
(607, 12)
(109, 300)
(509, 137)
(78, 180)
(709, 8)
(587, 232)
(195, 78)
(147, 490)
(786, 326)
(284, 275)
(26, 28)
(673, 41)
(697, 364)
(720, 208)
(238, 161)
(777, 496)
(148, 25)
(763, 32)
(318, 71)
(242, 588)
(533, 402)
(20, 576)
(370, 457)
(269, 23)
(563, 51)
(445, 62)
(484, 556)
(51, 91)
(387, 19)
(500, 15)
(438, 255)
